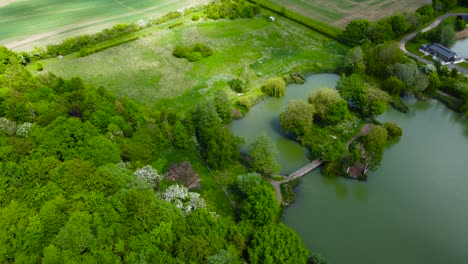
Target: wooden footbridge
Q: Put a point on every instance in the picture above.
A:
(295, 175)
(313, 165)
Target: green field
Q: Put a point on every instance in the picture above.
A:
(23, 19)
(250, 49)
(340, 12)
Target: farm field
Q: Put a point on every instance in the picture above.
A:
(40, 22)
(249, 49)
(339, 12)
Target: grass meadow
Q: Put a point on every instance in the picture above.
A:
(20, 19)
(249, 49)
(339, 12)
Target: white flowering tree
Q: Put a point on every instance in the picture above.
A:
(183, 199)
(24, 129)
(148, 175)
(7, 126)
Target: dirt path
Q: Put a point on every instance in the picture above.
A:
(431, 26)
(90, 23)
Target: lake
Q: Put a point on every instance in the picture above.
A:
(412, 209)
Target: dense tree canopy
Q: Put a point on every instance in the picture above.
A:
(78, 182)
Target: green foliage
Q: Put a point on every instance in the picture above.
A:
(460, 24)
(263, 152)
(330, 108)
(219, 9)
(195, 17)
(354, 61)
(271, 245)
(426, 13)
(275, 87)
(63, 198)
(260, 207)
(247, 182)
(334, 152)
(399, 25)
(297, 117)
(444, 34)
(354, 90)
(218, 146)
(393, 130)
(238, 86)
(195, 53)
(414, 80)
(223, 106)
(356, 31)
(374, 144)
(393, 85)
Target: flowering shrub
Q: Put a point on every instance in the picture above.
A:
(149, 175)
(24, 129)
(183, 199)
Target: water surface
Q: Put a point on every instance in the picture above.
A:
(264, 118)
(413, 209)
(461, 47)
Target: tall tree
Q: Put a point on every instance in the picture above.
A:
(262, 151)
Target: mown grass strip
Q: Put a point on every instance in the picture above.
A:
(320, 27)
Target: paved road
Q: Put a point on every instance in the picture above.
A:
(431, 26)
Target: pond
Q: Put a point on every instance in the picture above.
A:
(264, 118)
(413, 208)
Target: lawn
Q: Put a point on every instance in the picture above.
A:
(250, 49)
(21, 19)
(340, 12)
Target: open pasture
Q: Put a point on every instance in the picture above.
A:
(28, 23)
(340, 12)
(249, 49)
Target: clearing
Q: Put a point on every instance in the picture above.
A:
(250, 49)
(339, 12)
(29, 23)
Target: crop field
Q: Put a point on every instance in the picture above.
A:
(249, 49)
(35, 22)
(339, 12)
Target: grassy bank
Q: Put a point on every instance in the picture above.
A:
(249, 49)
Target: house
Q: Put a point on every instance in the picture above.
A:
(441, 53)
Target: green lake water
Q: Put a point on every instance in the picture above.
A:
(264, 118)
(413, 209)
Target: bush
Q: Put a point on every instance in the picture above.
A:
(393, 130)
(203, 49)
(195, 17)
(181, 51)
(39, 66)
(237, 85)
(275, 87)
(195, 53)
(194, 56)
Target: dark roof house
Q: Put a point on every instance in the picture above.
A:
(442, 53)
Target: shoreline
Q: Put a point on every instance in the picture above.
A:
(462, 34)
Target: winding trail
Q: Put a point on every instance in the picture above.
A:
(430, 27)
(314, 164)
